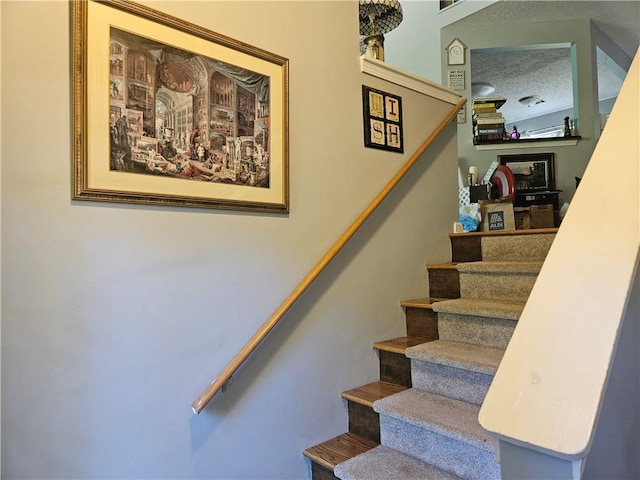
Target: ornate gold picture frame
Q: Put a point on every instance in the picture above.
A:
(168, 113)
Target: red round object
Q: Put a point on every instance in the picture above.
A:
(505, 181)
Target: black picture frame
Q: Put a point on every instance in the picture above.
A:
(382, 118)
(533, 172)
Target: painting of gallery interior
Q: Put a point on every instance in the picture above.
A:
(178, 114)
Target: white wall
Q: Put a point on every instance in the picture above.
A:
(115, 317)
(415, 44)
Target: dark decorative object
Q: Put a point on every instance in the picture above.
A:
(578, 179)
(567, 127)
(515, 134)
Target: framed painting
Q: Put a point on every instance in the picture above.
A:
(166, 112)
(533, 172)
(382, 118)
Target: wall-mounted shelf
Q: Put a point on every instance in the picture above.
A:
(528, 143)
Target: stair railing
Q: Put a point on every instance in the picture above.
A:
(227, 372)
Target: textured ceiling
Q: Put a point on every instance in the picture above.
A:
(547, 72)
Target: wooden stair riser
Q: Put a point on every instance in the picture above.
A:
(466, 248)
(453, 382)
(503, 286)
(318, 472)
(489, 332)
(445, 452)
(421, 322)
(443, 281)
(326, 455)
(395, 368)
(363, 421)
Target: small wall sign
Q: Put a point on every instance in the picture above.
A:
(456, 52)
(462, 114)
(382, 118)
(456, 80)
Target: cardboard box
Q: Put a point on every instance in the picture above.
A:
(523, 218)
(542, 216)
(497, 215)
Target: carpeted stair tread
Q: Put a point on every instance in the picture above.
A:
(384, 463)
(517, 247)
(474, 358)
(507, 309)
(527, 267)
(338, 449)
(443, 415)
(367, 394)
(498, 280)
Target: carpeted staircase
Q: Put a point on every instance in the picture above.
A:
(420, 421)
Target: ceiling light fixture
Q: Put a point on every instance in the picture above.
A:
(376, 18)
(531, 100)
(482, 89)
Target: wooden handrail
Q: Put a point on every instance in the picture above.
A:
(227, 372)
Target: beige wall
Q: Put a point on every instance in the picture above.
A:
(115, 317)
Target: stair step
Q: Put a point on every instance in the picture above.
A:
(443, 280)
(489, 323)
(473, 246)
(399, 345)
(337, 450)
(458, 370)
(498, 280)
(438, 430)
(395, 367)
(424, 303)
(507, 309)
(465, 247)
(420, 319)
(528, 267)
(367, 394)
(363, 420)
(518, 247)
(474, 358)
(384, 463)
(447, 416)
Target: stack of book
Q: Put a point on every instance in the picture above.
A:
(488, 123)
